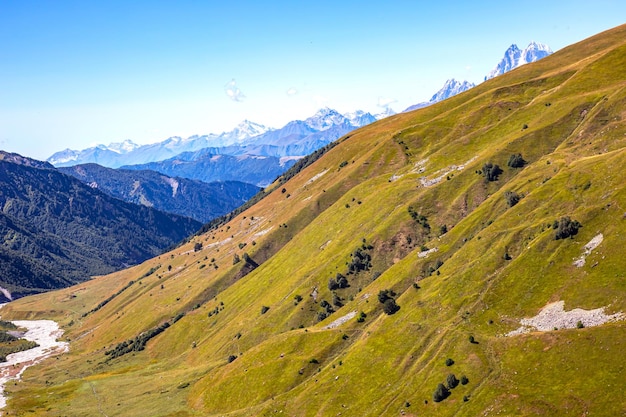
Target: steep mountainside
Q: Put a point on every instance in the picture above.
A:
(196, 199)
(57, 231)
(386, 274)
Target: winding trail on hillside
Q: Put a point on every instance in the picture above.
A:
(43, 332)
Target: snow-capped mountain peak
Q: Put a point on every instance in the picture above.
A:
(359, 118)
(451, 88)
(515, 57)
(534, 52)
(324, 119)
(65, 156)
(122, 147)
(246, 130)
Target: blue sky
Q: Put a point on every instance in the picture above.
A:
(77, 73)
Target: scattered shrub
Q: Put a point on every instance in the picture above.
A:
(516, 161)
(419, 218)
(441, 393)
(236, 259)
(361, 317)
(329, 308)
(197, 246)
(137, 344)
(464, 380)
(332, 284)
(452, 381)
(565, 227)
(338, 282)
(107, 300)
(449, 362)
(361, 261)
(512, 198)
(390, 307)
(491, 171)
(384, 295)
(231, 358)
(264, 309)
(435, 268)
(337, 301)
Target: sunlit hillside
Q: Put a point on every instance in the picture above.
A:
(469, 215)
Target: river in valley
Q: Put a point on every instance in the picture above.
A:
(45, 333)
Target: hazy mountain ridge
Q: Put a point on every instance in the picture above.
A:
(323, 127)
(196, 199)
(261, 159)
(57, 231)
(205, 166)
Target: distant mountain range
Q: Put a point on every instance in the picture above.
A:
(196, 199)
(513, 58)
(254, 153)
(56, 231)
(296, 138)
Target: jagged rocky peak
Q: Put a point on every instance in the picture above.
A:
(325, 118)
(515, 57)
(247, 129)
(451, 88)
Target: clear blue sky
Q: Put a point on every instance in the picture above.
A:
(77, 73)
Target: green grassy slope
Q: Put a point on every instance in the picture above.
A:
(251, 343)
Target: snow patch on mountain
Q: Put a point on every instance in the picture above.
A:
(173, 183)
